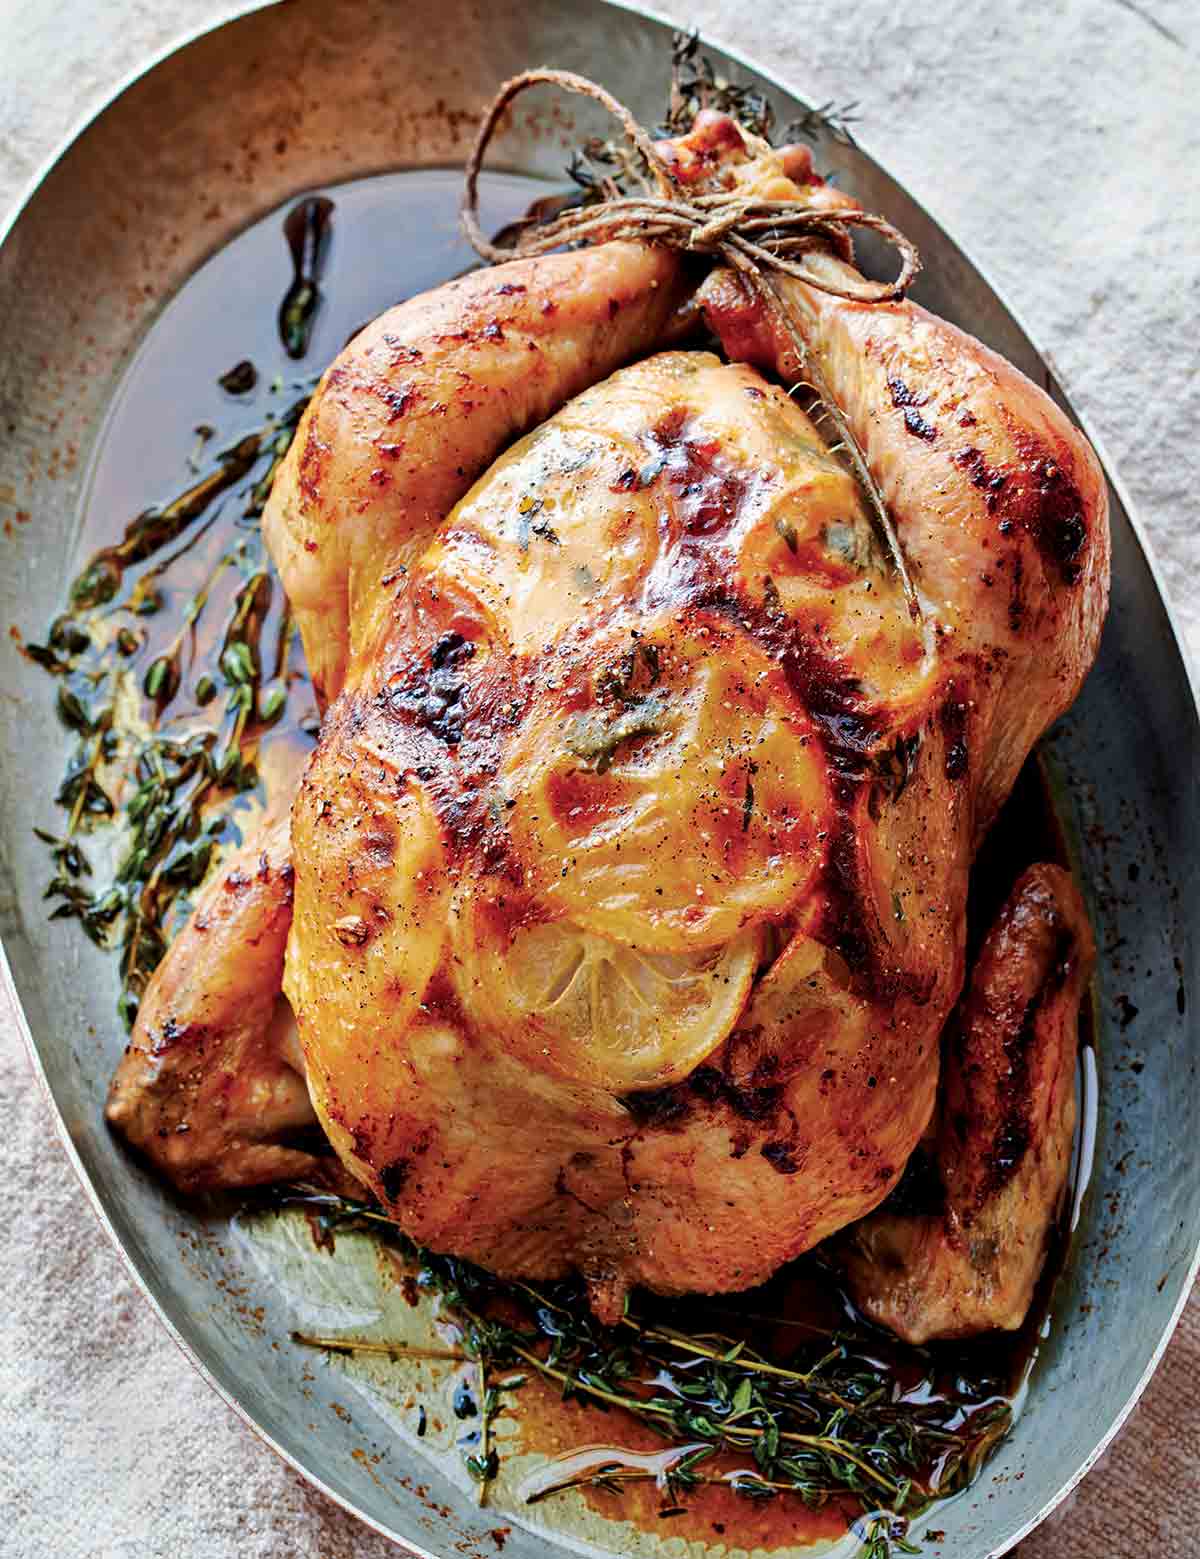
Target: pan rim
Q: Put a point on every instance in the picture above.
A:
(8, 225)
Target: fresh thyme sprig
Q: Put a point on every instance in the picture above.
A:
(828, 1422)
(166, 774)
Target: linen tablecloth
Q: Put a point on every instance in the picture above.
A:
(1059, 141)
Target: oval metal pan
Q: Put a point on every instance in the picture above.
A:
(316, 91)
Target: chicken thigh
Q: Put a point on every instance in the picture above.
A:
(211, 1086)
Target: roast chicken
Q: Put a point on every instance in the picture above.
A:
(627, 882)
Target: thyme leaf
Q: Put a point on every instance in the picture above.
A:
(166, 780)
(595, 737)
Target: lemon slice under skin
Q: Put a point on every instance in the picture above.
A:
(600, 1012)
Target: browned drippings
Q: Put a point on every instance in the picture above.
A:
(577, 1439)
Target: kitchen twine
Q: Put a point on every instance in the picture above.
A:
(758, 238)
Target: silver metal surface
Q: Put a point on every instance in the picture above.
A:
(316, 91)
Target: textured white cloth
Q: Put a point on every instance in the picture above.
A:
(1059, 141)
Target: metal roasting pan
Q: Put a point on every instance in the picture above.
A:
(311, 92)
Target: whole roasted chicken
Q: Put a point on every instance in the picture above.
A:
(623, 919)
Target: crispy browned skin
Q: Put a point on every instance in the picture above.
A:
(1000, 504)
(817, 770)
(688, 508)
(1003, 1147)
(211, 1085)
(447, 814)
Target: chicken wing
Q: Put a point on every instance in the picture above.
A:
(970, 1262)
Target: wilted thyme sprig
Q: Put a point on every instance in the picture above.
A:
(602, 168)
(696, 85)
(159, 770)
(828, 122)
(828, 1422)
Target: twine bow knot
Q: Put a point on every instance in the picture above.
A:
(755, 236)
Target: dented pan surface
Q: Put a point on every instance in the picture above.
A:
(220, 131)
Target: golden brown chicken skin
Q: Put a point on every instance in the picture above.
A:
(548, 842)
(631, 867)
(415, 407)
(999, 502)
(631, 875)
(1003, 1148)
(421, 402)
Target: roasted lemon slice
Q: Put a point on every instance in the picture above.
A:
(601, 1013)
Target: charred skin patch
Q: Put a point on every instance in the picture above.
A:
(846, 925)
(314, 462)
(954, 725)
(394, 1177)
(1041, 498)
(434, 693)
(399, 351)
(907, 403)
(396, 397)
(445, 728)
(710, 493)
(1059, 526)
(782, 1157)
(656, 1108)
(982, 476)
(173, 1036)
(1015, 1132)
(708, 1086)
